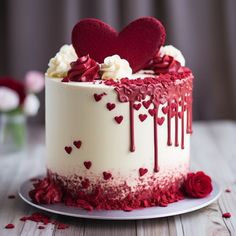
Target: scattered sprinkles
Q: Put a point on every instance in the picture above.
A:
(9, 226)
(226, 215)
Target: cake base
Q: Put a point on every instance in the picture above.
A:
(176, 208)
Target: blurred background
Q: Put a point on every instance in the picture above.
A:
(32, 31)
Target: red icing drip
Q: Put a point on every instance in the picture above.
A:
(169, 143)
(131, 117)
(156, 168)
(161, 89)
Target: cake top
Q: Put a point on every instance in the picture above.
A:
(98, 52)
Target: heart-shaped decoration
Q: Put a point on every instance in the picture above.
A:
(137, 106)
(118, 119)
(142, 117)
(87, 164)
(160, 120)
(147, 104)
(68, 149)
(152, 112)
(138, 42)
(98, 97)
(106, 175)
(142, 171)
(165, 110)
(77, 144)
(110, 106)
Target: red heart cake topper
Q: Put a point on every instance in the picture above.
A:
(138, 42)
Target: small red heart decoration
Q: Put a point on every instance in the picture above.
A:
(138, 42)
(160, 120)
(110, 106)
(152, 112)
(142, 117)
(98, 97)
(106, 175)
(142, 171)
(77, 143)
(147, 104)
(118, 119)
(137, 106)
(88, 164)
(180, 114)
(165, 109)
(68, 149)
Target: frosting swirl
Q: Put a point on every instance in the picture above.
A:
(85, 69)
(60, 64)
(163, 65)
(115, 68)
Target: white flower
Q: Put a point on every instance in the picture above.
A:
(34, 81)
(173, 52)
(31, 105)
(115, 68)
(9, 99)
(60, 64)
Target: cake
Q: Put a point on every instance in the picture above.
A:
(118, 119)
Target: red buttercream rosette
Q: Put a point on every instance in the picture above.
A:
(85, 69)
(163, 65)
(197, 185)
(15, 85)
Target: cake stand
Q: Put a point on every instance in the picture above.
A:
(181, 207)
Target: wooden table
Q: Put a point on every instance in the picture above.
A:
(213, 150)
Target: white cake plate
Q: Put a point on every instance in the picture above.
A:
(183, 206)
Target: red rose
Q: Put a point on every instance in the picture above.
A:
(46, 192)
(17, 86)
(197, 185)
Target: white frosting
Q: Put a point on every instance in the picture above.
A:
(173, 52)
(9, 99)
(60, 64)
(115, 68)
(72, 114)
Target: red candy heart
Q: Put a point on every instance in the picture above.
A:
(110, 106)
(106, 175)
(147, 104)
(142, 117)
(152, 112)
(88, 164)
(137, 106)
(98, 97)
(137, 43)
(142, 171)
(118, 119)
(160, 120)
(77, 143)
(68, 149)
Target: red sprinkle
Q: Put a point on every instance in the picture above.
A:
(87, 164)
(227, 190)
(41, 227)
(106, 175)
(142, 117)
(9, 226)
(68, 149)
(98, 97)
(226, 215)
(118, 119)
(11, 196)
(110, 106)
(77, 144)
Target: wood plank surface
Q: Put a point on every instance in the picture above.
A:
(213, 149)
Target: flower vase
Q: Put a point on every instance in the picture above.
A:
(12, 132)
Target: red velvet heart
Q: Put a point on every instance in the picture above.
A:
(137, 43)
(142, 171)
